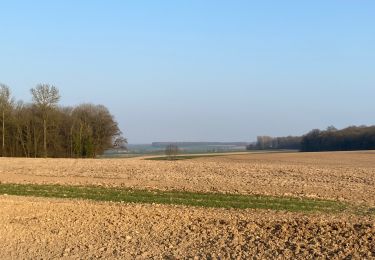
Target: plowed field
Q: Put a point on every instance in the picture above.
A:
(45, 228)
(346, 176)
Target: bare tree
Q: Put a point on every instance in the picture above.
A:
(120, 143)
(45, 98)
(95, 130)
(171, 151)
(29, 130)
(5, 104)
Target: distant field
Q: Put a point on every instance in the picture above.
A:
(204, 155)
(185, 148)
(182, 157)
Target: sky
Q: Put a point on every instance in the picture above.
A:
(198, 70)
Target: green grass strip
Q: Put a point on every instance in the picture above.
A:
(212, 200)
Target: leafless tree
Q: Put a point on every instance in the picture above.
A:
(5, 105)
(120, 143)
(45, 98)
(95, 131)
(28, 130)
(171, 151)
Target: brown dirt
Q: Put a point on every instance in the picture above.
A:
(346, 176)
(32, 228)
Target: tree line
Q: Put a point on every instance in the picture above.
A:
(347, 139)
(43, 128)
(269, 142)
(331, 139)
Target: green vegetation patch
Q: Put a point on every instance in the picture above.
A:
(213, 200)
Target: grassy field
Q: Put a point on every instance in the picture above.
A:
(215, 200)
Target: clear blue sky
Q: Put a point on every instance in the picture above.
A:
(198, 70)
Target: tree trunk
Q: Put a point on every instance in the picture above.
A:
(35, 143)
(23, 146)
(80, 140)
(3, 146)
(45, 137)
(71, 142)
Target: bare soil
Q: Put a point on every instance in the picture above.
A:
(36, 228)
(344, 176)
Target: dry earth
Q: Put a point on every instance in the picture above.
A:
(36, 228)
(347, 176)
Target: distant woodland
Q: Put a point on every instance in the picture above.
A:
(269, 142)
(331, 139)
(43, 128)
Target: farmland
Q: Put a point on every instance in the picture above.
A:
(343, 176)
(138, 208)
